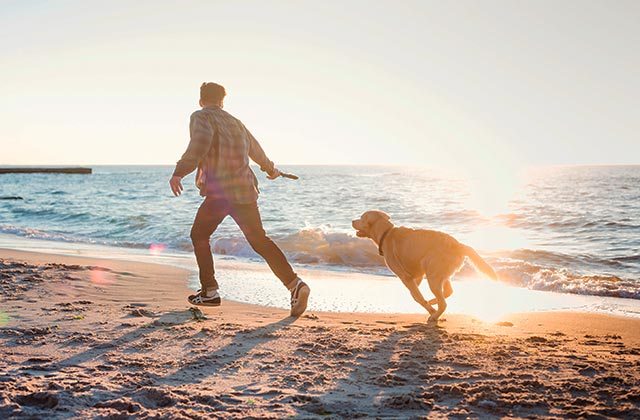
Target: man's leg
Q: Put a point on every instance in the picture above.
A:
(210, 214)
(247, 216)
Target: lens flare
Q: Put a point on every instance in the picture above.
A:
(4, 318)
(157, 249)
(100, 278)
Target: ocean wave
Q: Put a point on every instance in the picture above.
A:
(533, 269)
(560, 260)
(628, 258)
(575, 225)
(529, 268)
(61, 237)
(35, 233)
(563, 280)
(51, 214)
(312, 246)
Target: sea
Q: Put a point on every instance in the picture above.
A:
(566, 229)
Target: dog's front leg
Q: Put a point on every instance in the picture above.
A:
(417, 295)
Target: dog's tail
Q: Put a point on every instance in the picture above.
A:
(479, 263)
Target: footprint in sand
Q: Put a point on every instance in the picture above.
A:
(41, 399)
(122, 405)
(142, 312)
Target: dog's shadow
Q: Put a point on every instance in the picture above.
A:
(388, 378)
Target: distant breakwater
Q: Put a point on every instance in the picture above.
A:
(45, 171)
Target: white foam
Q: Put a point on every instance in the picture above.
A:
(334, 291)
(312, 246)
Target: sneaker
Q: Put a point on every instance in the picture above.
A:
(202, 299)
(299, 298)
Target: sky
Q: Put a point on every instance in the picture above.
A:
(465, 84)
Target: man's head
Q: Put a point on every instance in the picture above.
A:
(211, 94)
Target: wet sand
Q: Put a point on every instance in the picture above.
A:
(97, 338)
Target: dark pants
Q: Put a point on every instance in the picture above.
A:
(210, 214)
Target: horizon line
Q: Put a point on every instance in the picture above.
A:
(538, 165)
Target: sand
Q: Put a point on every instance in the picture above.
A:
(98, 338)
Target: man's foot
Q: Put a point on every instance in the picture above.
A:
(299, 298)
(202, 298)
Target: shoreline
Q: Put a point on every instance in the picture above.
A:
(341, 290)
(116, 338)
(177, 287)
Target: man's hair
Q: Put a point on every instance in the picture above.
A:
(212, 92)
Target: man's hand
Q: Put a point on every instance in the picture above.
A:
(176, 185)
(273, 174)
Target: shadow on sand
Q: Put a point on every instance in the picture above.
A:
(386, 381)
(166, 319)
(226, 359)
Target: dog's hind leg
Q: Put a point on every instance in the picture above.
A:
(411, 284)
(436, 286)
(447, 291)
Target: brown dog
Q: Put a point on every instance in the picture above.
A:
(413, 254)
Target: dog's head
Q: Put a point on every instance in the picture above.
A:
(365, 223)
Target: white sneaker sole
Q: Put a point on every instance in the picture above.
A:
(204, 303)
(303, 299)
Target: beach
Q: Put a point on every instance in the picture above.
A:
(541, 237)
(372, 156)
(105, 338)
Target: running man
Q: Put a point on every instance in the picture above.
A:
(220, 149)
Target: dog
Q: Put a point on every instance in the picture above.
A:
(413, 254)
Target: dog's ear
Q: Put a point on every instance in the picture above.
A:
(374, 215)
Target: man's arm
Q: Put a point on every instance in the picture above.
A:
(201, 138)
(259, 156)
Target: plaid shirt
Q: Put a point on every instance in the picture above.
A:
(220, 148)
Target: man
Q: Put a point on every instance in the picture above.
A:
(220, 149)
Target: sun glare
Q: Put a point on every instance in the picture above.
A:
(491, 301)
(492, 189)
(488, 300)
(496, 237)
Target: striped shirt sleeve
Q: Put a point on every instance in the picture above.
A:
(201, 138)
(258, 155)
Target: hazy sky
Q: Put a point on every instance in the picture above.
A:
(464, 83)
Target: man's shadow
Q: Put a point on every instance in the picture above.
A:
(194, 371)
(225, 359)
(98, 350)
